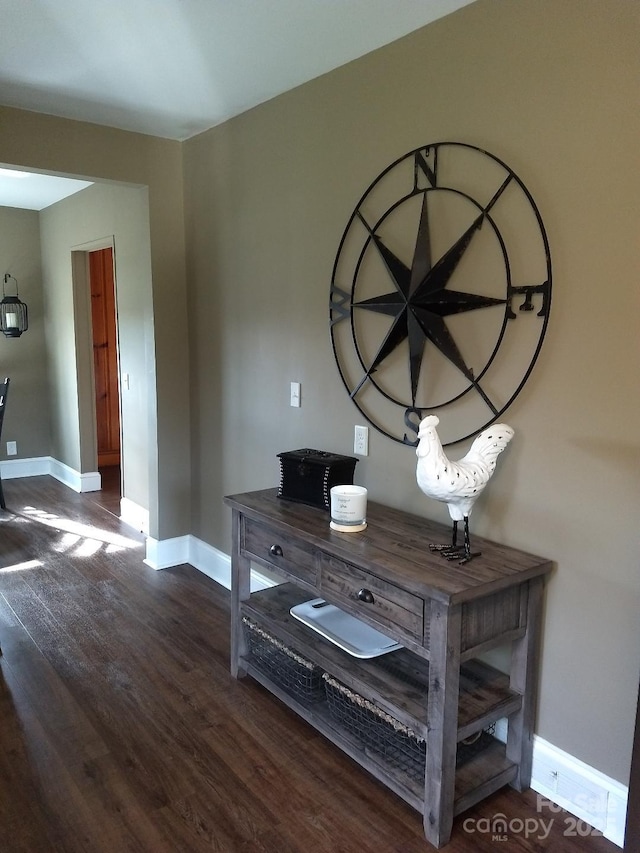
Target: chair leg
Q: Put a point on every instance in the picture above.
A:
(2, 503)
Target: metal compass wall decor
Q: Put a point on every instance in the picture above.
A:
(440, 292)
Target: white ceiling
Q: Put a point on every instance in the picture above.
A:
(174, 68)
(33, 191)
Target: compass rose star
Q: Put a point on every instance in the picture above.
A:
(420, 301)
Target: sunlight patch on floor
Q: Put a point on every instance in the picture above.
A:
(88, 547)
(21, 567)
(66, 542)
(85, 538)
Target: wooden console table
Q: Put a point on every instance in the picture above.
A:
(443, 614)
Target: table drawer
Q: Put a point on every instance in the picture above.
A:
(279, 550)
(390, 606)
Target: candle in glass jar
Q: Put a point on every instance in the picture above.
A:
(348, 508)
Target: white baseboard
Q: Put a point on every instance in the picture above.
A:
(217, 565)
(581, 790)
(210, 561)
(10, 469)
(39, 465)
(134, 515)
(89, 482)
(565, 782)
(166, 553)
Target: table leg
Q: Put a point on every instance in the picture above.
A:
(442, 722)
(240, 591)
(525, 656)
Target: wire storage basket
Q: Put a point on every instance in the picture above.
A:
(376, 730)
(298, 676)
(381, 733)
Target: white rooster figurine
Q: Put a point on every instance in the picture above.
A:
(458, 484)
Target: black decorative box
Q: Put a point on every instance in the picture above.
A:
(307, 476)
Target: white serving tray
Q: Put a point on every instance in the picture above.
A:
(345, 631)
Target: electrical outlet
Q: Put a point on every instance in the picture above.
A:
(295, 395)
(361, 441)
(12, 448)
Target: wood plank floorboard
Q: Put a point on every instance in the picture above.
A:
(121, 728)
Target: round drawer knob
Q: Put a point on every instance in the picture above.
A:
(365, 595)
(275, 551)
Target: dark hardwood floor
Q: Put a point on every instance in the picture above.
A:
(122, 730)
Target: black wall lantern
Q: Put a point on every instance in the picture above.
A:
(14, 319)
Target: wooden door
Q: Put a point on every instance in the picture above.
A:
(105, 356)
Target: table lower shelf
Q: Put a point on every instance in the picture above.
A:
(478, 777)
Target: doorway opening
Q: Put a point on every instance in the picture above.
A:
(104, 327)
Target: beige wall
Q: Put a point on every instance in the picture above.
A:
(101, 215)
(552, 89)
(76, 149)
(22, 359)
